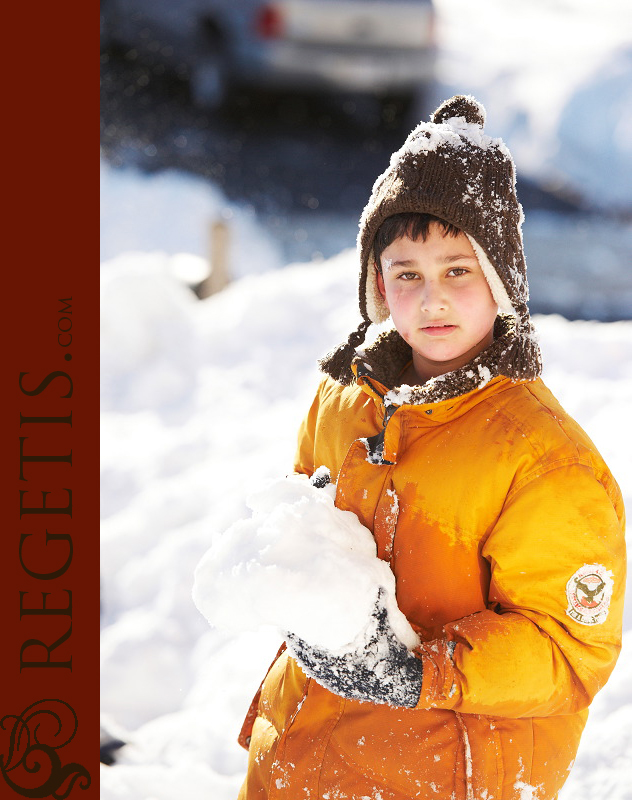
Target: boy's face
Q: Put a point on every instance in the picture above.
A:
(439, 299)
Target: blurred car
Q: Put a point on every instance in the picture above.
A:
(380, 47)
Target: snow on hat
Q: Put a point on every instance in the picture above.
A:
(450, 168)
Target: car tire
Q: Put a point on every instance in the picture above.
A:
(209, 77)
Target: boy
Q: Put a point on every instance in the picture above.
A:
(499, 519)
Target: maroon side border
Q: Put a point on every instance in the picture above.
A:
(49, 586)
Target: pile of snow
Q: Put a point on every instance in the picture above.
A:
(294, 565)
(173, 213)
(556, 81)
(202, 402)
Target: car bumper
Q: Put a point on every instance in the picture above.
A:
(287, 65)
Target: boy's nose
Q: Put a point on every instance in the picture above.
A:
(433, 298)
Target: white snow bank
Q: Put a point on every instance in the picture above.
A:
(602, 767)
(146, 325)
(556, 81)
(159, 782)
(171, 212)
(294, 565)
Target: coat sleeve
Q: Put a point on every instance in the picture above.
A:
(526, 655)
(304, 457)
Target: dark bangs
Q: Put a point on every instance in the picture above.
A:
(411, 224)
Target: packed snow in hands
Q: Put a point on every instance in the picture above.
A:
(301, 565)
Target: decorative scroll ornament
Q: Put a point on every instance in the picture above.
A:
(31, 765)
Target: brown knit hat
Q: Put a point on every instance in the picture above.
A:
(450, 168)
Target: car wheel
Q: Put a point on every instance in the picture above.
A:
(209, 80)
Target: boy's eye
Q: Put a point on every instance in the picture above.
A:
(457, 271)
(407, 276)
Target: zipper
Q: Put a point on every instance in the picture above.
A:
(375, 444)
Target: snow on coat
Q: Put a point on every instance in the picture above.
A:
(507, 547)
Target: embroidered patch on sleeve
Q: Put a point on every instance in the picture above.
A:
(588, 593)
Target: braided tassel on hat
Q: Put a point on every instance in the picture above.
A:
(337, 362)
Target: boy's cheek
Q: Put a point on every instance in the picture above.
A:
(402, 298)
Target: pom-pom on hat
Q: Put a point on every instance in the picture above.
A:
(450, 168)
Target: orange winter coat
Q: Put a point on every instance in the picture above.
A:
(504, 529)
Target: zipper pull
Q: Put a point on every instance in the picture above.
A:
(388, 413)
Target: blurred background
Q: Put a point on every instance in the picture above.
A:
(240, 140)
(281, 115)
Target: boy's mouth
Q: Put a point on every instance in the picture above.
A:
(438, 330)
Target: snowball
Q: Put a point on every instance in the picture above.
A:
(299, 564)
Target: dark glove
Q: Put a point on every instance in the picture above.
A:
(382, 671)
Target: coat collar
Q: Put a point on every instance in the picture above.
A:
(380, 365)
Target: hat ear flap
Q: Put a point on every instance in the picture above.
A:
(497, 288)
(376, 307)
(521, 359)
